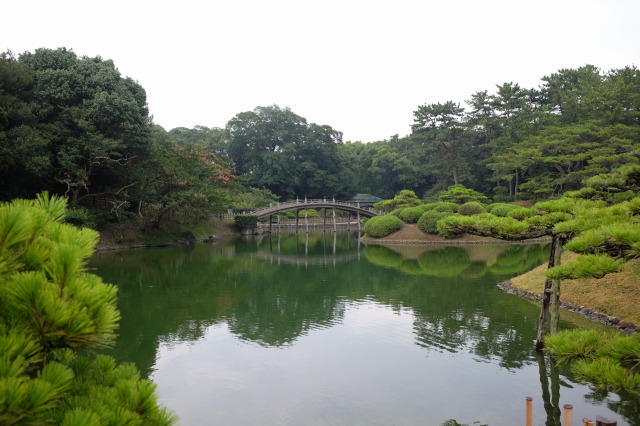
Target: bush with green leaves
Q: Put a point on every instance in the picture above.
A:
(501, 209)
(521, 213)
(428, 222)
(411, 214)
(52, 313)
(80, 216)
(460, 194)
(245, 221)
(381, 226)
(471, 208)
(397, 212)
(444, 206)
(405, 198)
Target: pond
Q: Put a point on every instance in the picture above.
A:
(320, 328)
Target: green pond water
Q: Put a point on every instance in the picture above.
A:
(321, 329)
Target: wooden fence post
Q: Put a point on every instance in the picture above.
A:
(529, 411)
(568, 415)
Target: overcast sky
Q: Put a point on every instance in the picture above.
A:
(361, 67)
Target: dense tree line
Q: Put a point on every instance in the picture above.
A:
(74, 126)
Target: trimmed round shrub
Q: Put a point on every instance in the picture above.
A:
(397, 212)
(502, 209)
(381, 226)
(411, 214)
(444, 206)
(429, 220)
(471, 208)
(429, 206)
(521, 213)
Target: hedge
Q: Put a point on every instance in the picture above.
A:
(246, 221)
(429, 220)
(411, 214)
(471, 208)
(381, 226)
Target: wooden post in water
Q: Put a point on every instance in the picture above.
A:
(306, 220)
(586, 422)
(297, 214)
(567, 419)
(601, 421)
(529, 421)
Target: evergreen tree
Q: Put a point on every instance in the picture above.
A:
(600, 221)
(52, 314)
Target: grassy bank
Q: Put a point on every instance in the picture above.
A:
(616, 295)
(134, 234)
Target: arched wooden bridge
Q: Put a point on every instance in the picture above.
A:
(315, 204)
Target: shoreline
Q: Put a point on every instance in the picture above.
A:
(400, 238)
(611, 321)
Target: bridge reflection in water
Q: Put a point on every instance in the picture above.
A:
(317, 249)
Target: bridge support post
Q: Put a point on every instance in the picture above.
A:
(270, 221)
(306, 220)
(324, 221)
(297, 214)
(334, 220)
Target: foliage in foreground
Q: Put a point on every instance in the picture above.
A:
(609, 361)
(381, 226)
(52, 313)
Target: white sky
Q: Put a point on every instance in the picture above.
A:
(361, 67)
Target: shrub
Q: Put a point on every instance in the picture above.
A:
(501, 209)
(501, 194)
(381, 226)
(460, 194)
(429, 206)
(397, 212)
(80, 216)
(429, 220)
(405, 198)
(246, 221)
(411, 214)
(444, 206)
(521, 213)
(471, 208)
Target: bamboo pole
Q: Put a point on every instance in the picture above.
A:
(529, 411)
(567, 419)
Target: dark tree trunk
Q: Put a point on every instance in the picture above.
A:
(551, 294)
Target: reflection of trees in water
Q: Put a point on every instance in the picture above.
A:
(456, 261)
(176, 294)
(550, 391)
(382, 256)
(446, 262)
(187, 291)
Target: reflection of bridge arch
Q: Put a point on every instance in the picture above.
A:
(331, 254)
(292, 259)
(315, 204)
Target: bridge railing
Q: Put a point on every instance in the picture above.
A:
(313, 202)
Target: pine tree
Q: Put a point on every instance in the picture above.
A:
(53, 314)
(601, 222)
